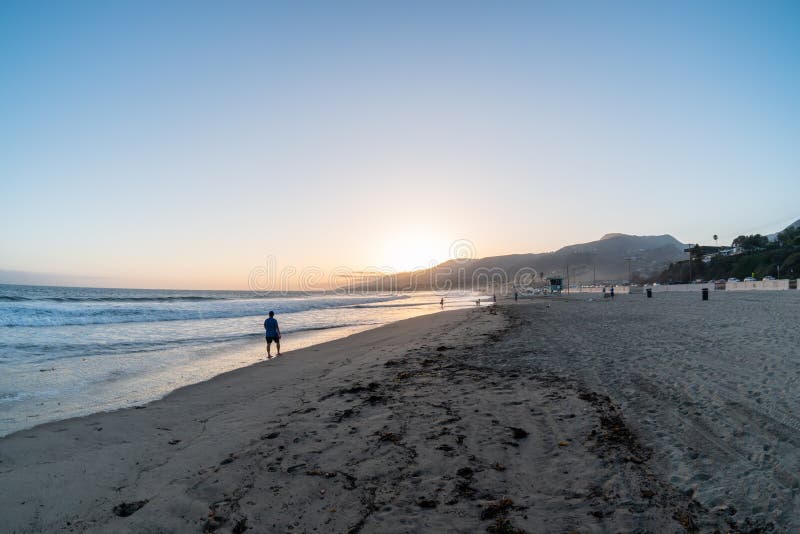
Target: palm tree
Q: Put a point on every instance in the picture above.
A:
(715, 239)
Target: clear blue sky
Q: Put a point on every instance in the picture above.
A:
(180, 143)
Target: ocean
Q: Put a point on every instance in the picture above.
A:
(68, 351)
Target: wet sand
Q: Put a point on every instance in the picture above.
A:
(588, 416)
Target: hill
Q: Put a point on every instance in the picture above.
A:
(759, 256)
(603, 260)
(794, 225)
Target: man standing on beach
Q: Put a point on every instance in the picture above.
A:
(273, 333)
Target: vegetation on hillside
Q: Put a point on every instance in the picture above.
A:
(759, 258)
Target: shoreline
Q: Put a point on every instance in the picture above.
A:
(438, 422)
(56, 384)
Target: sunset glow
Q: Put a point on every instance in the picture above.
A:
(407, 252)
(138, 152)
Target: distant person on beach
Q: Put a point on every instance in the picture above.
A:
(612, 293)
(494, 297)
(515, 296)
(441, 303)
(273, 333)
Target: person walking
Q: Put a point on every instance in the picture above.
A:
(273, 333)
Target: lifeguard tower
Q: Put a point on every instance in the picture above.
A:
(556, 284)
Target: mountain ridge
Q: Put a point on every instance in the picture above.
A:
(606, 259)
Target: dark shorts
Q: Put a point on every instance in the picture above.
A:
(270, 339)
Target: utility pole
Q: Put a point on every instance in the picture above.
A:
(689, 250)
(629, 269)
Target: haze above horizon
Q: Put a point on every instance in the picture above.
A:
(182, 145)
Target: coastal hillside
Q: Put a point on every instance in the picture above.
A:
(603, 260)
(754, 255)
(794, 226)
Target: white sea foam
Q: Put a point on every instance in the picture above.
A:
(72, 351)
(50, 312)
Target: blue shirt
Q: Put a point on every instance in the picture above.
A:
(271, 326)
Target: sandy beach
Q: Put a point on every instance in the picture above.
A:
(549, 415)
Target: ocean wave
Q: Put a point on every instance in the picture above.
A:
(39, 353)
(9, 396)
(384, 306)
(43, 314)
(7, 298)
(450, 301)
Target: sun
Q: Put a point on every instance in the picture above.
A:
(410, 252)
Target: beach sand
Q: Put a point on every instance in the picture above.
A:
(551, 415)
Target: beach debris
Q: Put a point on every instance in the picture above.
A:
(319, 473)
(504, 526)
(563, 443)
(463, 489)
(633, 459)
(339, 416)
(389, 436)
(518, 433)
(686, 520)
(271, 435)
(392, 363)
(600, 514)
(423, 502)
(294, 467)
(174, 441)
(126, 509)
(465, 472)
(46, 370)
(358, 388)
(443, 348)
(350, 480)
(375, 399)
(497, 466)
(496, 508)
(228, 460)
(303, 410)
(214, 521)
(240, 526)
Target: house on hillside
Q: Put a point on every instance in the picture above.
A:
(711, 252)
(732, 251)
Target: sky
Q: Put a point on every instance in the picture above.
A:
(189, 144)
